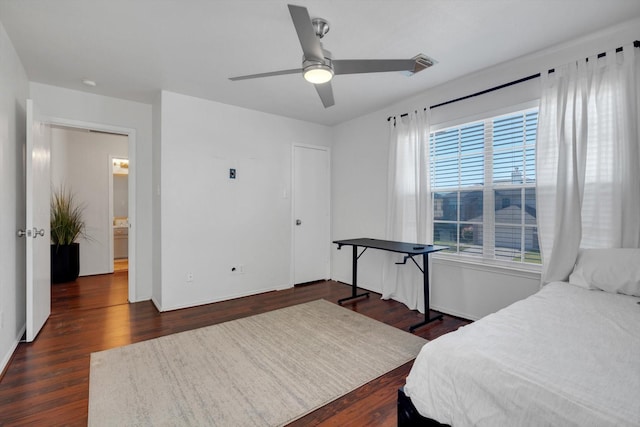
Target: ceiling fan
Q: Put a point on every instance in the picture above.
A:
(318, 67)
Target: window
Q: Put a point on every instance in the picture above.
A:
(483, 188)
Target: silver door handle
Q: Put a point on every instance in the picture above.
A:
(37, 232)
(23, 233)
(298, 222)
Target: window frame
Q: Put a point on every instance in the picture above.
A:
(488, 188)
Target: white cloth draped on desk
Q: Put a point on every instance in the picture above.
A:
(409, 215)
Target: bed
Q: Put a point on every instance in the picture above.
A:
(568, 355)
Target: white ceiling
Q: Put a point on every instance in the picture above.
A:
(134, 48)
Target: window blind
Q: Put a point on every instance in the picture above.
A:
(483, 188)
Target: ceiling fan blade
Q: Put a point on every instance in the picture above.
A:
(272, 73)
(326, 94)
(306, 34)
(355, 66)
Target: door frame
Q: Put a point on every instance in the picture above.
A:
(131, 147)
(293, 208)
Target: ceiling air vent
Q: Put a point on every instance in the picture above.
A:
(422, 63)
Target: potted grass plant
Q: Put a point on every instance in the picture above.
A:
(67, 225)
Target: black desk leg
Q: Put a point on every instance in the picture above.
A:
(425, 284)
(354, 280)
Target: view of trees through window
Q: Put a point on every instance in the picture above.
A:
(483, 188)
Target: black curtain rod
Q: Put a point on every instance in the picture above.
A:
(636, 44)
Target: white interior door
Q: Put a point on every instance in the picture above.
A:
(37, 231)
(311, 214)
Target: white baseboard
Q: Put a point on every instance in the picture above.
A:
(455, 313)
(7, 357)
(158, 306)
(224, 298)
(444, 310)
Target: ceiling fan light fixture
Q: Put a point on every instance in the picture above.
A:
(318, 65)
(317, 73)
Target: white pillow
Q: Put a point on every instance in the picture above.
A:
(611, 270)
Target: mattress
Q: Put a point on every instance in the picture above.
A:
(566, 356)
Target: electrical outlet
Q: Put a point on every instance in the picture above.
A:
(189, 277)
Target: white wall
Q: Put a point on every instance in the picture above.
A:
(209, 222)
(74, 105)
(14, 90)
(80, 163)
(121, 195)
(359, 179)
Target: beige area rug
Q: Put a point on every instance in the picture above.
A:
(264, 370)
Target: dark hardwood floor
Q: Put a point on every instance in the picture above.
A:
(47, 381)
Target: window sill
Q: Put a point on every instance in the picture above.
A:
(531, 271)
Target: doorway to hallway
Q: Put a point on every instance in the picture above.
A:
(84, 162)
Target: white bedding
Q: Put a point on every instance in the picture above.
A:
(565, 356)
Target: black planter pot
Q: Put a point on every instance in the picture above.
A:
(65, 263)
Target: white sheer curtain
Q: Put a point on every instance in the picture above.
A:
(409, 216)
(588, 159)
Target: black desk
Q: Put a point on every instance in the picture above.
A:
(410, 249)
